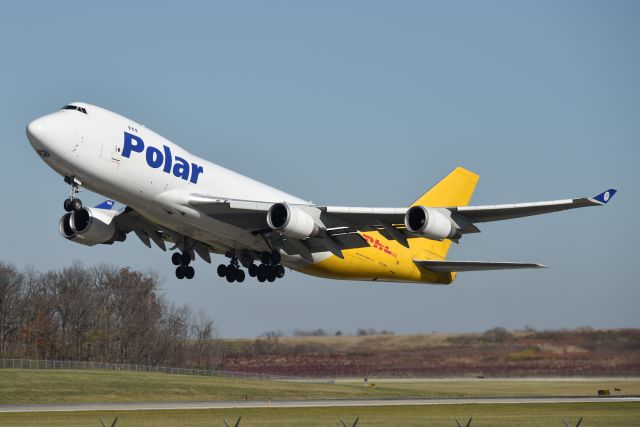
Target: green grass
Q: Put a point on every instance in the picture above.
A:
(522, 415)
(70, 386)
(465, 387)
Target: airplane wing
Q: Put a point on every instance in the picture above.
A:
(341, 226)
(147, 231)
(457, 266)
(501, 212)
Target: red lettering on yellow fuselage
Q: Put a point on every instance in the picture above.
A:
(376, 244)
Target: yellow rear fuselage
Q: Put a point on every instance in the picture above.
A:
(388, 260)
(385, 260)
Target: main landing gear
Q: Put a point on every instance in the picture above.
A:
(73, 204)
(233, 272)
(269, 270)
(183, 269)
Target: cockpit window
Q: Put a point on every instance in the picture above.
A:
(74, 107)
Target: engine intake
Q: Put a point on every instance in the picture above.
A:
(90, 226)
(292, 221)
(430, 222)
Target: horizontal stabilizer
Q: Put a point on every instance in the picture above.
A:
(107, 204)
(456, 266)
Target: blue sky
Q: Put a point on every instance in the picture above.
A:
(356, 103)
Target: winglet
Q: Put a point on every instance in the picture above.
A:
(108, 204)
(604, 197)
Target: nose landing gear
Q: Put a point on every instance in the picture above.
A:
(73, 204)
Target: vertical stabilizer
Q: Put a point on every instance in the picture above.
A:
(454, 189)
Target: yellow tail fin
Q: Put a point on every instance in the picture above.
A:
(454, 189)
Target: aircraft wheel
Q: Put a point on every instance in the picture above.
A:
(67, 205)
(76, 204)
(240, 276)
(175, 258)
(271, 274)
(189, 273)
(262, 273)
(231, 274)
(222, 270)
(253, 270)
(180, 273)
(279, 271)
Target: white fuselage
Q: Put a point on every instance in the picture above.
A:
(123, 160)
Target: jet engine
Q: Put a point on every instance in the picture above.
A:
(292, 221)
(430, 223)
(90, 226)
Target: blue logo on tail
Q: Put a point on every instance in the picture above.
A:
(605, 196)
(107, 204)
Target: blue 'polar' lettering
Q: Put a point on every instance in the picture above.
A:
(156, 158)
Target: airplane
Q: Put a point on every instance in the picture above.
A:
(172, 196)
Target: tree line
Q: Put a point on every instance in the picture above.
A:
(100, 314)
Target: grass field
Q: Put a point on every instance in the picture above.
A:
(19, 386)
(522, 415)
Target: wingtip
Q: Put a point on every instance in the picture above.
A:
(604, 197)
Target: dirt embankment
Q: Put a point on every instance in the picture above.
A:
(494, 353)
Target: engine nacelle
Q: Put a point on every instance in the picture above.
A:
(68, 233)
(292, 221)
(430, 222)
(90, 226)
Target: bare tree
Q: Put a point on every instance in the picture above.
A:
(11, 282)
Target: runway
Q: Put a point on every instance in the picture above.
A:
(163, 406)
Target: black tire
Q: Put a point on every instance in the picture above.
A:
(185, 258)
(231, 274)
(275, 258)
(262, 273)
(175, 258)
(180, 272)
(189, 273)
(253, 270)
(67, 205)
(271, 274)
(76, 204)
(279, 271)
(240, 276)
(222, 270)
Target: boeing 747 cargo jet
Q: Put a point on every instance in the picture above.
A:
(172, 196)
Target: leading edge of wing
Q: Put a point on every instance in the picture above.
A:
(475, 214)
(458, 266)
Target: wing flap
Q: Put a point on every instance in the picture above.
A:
(458, 266)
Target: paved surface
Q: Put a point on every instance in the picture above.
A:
(147, 406)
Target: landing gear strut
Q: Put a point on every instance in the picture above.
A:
(73, 204)
(183, 269)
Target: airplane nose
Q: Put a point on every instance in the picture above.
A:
(36, 130)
